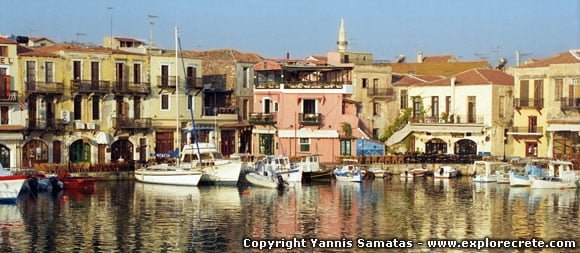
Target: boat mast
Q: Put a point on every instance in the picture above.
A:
(177, 98)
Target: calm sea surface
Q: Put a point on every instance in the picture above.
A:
(127, 216)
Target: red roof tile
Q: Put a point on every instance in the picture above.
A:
(439, 58)
(476, 77)
(407, 80)
(77, 48)
(6, 41)
(572, 56)
(436, 68)
(27, 51)
(224, 55)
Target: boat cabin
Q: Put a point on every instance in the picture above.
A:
(489, 168)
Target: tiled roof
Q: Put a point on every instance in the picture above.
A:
(439, 58)
(436, 68)
(40, 38)
(224, 55)
(572, 56)
(475, 77)
(77, 48)
(27, 51)
(407, 79)
(127, 39)
(6, 41)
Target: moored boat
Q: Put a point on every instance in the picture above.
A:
(75, 183)
(348, 173)
(560, 176)
(524, 178)
(445, 172)
(10, 186)
(168, 174)
(215, 169)
(485, 171)
(411, 173)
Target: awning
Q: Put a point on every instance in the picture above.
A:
(263, 131)
(308, 133)
(11, 137)
(103, 138)
(563, 127)
(447, 129)
(198, 128)
(241, 125)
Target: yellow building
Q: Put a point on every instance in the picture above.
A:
(547, 103)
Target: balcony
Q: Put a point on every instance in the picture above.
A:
(381, 93)
(8, 96)
(313, 85)
(526, 131)
(310, 119)
(132, 88)
(528, 103)
(132, 124)
(214, 111)
(44, 88)
(44, 124)
(452, 119)
(193, 83)
(90, 86)
(166, 82)
(568, 104)
(267, 86)
(259, 118)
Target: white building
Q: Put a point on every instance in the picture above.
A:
(464, 114)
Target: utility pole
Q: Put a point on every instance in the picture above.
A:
(152, 19)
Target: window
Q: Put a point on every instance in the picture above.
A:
(96, 107)
(417, 104)
(538, 89)
(447, 104)
(304, 144)
(309, 106)
(435, 106)
(471, 115)
(532, 124)
(30, 71)
(559, 89)
(266, 105)
(376, 109)
(375, 84)
(164, 75)
(95, 73)
(364, 83)
(245, 106)
(49, 72)
(3, 51)
(345, 148)
(375, 133)
(76, 70)
(275, 106)
(524, 92)
(531, 149)
(4, 115)
(137, 73)
(245, 77)
(78, 107)
(137, 107)
(165, 102)
(404, 99)
(191, 74)
(501, 106)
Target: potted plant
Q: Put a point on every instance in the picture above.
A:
(444, 116)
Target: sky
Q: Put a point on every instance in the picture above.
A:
(469, 30)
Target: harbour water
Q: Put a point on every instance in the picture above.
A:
(127, 216)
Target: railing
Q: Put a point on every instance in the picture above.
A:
(166, 82)
(132, 88)
(214, 111)
(569, 103)
(8, 95)
(193, 83)
(128, 123)
(44, 87)
(310, 118)
(381, 92)
(301, 85)
(259, 118)
(413, 158)
(90, 86)
(528, 102)
(527, 130)
(44, 124)
(267, 86)
(451, 119)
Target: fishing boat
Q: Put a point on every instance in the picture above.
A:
(215, 169)
(560, 176)
(265, 176)
(445, 172)
(485, 171)
(281, 165)
(76, 183)
(311, 168)
(524, 178)
(412, 173)
(10, 186)
(377, 171)
(348, 173)
(166, 173)
(503, 175)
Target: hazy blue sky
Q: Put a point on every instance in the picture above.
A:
(303, 27)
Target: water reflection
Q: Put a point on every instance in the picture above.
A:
(128, 216)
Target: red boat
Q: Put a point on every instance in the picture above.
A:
(82, 184)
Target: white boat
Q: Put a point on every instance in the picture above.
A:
(485, 171)
(560, 176)
(281, 166)
(503, 175)
(377, 170)
(445, 172)
(215, 169)
(411, 173)
(348, 173)
(524, 178)
(168, 174)
(10, 186)
(265, 176)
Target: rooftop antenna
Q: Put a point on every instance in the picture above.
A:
(152, 19)
(519, 56)
(482, 56)
(111, 31)
(496, 52)
(78, 34)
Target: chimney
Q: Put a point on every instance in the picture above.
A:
(287, 55)
(453, 81)
(419, 57)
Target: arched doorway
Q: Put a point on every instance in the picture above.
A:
(34, 152)
(122, 149)
(436, 146)
(465, 147)
(79, 152)
(4, 156)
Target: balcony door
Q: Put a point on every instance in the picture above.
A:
(32, 112)
(120, 73)
(532, 124)
(524, 92)
(165, 75)
(531, 149)
(471, 109)
(95, 74)
(309, 106)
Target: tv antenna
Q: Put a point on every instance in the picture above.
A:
(152, 19)
(78, 35)
(483, 56)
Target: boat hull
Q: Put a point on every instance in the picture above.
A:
(485, 178)
(553, 184)
(293, 175)
(261, 181)
(519, 180)
(184, 178)
(84, 184)
(318, 175)
(10, 188)
(222, 174)
(349, 178)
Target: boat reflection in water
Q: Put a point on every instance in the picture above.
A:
(11, 227)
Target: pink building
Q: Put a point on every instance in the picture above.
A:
(304, 107)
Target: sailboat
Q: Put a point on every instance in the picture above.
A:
(171, 174)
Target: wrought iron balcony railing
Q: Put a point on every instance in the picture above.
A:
(528, 102)
(260, 118)
(569, 103)
(132, 88)
(90, 86)
(310, 119)
(130, 123)
(34, 87)
(213, 111)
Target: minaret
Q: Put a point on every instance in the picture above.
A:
(341, 43)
